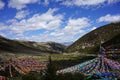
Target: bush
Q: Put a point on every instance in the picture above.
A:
(51, 74)
(69, 76)
(30, 76)
(51, 71)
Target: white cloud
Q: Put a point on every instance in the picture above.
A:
(48, 21)
(83, 2)
(109, 18)
(2, 4)
(93, 28)
(46, 2)
(52, 23)
(21, 14)
(3, 34)
(74, 27)
(113, 1)
(20, 4)
(46, 36)
(86, 2)
(2, 26)
(11, 21)
(76, 24)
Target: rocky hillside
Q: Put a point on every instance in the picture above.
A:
(16, 46)
(91, 41)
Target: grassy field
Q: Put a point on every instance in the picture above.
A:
(60, 60)
(55, 57)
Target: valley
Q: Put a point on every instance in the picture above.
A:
(22, 57)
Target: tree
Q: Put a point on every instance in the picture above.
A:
(29, 76)
(70, 76)
(51, 71)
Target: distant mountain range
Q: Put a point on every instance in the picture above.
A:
(67, 43)
(107, 36)
(17, 46)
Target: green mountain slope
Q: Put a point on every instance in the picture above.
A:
(113, 43)
(16, 46)
(90, 42)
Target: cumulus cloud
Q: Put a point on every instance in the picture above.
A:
(74, 27)
(113, 1)
(2, 4)
(93, 28)
(2, 26)
(86, 2)
(76, 24)
(47, 21)
(46, 2)
(20, 4)
(109, 18)
(52, 24)
(82, 2)
(21, 14)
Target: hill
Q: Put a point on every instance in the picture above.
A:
(90, 42)
(113, 43)
(17, 46)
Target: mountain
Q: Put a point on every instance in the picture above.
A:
(90, 42)
(113, 43)
(17, 46)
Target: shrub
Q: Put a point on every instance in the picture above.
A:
(30, 76)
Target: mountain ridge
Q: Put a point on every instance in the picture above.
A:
(17, 46)
(92, 40)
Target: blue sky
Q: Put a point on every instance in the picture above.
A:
(55, 20)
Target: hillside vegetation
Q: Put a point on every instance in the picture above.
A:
(113, 43)
(90, 42)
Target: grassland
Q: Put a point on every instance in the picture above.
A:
(60, 60)
(44, 57)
